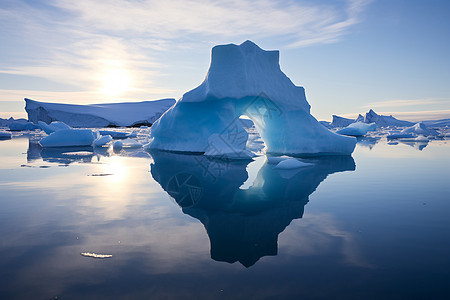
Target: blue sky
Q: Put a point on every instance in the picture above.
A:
(350, 55)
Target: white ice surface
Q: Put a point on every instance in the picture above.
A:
(357, 129)
(53, 126)
(69, 138)
(245, 80)
(98, 115)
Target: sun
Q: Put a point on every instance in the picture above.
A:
(115, 82)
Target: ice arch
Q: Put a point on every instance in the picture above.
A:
(245, 80)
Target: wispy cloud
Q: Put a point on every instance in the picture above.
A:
(73, 42)
(405, 103)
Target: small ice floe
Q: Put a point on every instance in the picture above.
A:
(357, 129)
(101, 174)
(102, 141)
(95, 255)
(420, 129)
(68, 138)
(53, 126)
(115, 134)
(130, 143)
(291, 163)
(5, 135)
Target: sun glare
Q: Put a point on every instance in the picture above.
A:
(116, 81)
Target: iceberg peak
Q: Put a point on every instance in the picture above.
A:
(245, 80)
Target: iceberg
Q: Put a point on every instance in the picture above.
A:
(420, 129)
(102, 141)
(385, 121)
(22, 124)
(53, 126)
(245, 80)
(4, 135)
(357, 129)
(69, 138)
(341, 121)
(98, 115)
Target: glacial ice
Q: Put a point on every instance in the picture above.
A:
(22, 124)
(245, 80)
(98, 115)
(5, 135)
(102, 141)
(357, 129)
(420, 128)
(69, 138)
(53, 126)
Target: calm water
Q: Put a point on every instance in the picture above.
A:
(376, 225)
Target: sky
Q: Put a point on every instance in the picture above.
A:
(350, 55)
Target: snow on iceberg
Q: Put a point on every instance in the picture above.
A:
(103, 140)
(245, 80)
(384, 121)
(53, 126)
(69, 138)
(98, 115)
(357, 129)
(420, 129)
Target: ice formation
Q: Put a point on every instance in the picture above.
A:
(5, 135)
(384, 121)
(21, 124)
(370, 117)
(245, 80)
(341, 121)
(102, 141)
(357, 129)
(53, 126)
(98, 115)
(420, 128)
(69, 138)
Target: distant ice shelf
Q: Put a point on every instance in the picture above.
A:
(98, 115)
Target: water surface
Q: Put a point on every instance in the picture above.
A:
(375, 225)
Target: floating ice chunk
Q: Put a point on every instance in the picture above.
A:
(400, 136)
(421, 138)
(117, 145)
(21, 125)
(357, 129)
(53, 126)
(115, 134)
(95, 255)
(420, 128)
(69, 138)
(5, 135)
(291, 163)
(246, 80)
(103, 140)
(130, 143)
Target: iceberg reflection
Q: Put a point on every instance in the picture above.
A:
(242, 225)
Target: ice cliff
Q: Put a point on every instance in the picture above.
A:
(245, 80)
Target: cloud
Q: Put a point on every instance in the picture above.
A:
(405, 103)
(74, 42)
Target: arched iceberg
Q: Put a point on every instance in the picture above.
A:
(245, 80)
